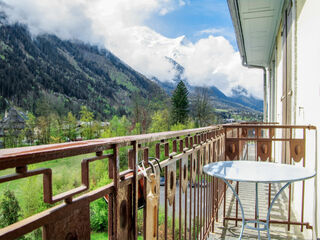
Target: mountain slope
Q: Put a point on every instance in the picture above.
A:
(67, 73)
(240, 95)
(239, 100)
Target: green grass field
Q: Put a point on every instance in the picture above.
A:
(221, 110)
(64, 170)
(104, 236)
(99, 236)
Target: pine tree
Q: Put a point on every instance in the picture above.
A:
(180, 104)
(9, 209)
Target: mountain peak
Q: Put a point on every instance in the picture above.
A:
(3, 18)
(239, 91)
(183, 40)
(242, 96)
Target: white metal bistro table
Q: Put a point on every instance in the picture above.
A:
(257, 172)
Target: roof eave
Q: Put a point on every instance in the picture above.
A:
(234, 12)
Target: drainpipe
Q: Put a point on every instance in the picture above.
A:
(265, 106)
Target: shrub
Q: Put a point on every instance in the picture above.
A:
(99, 215)
(9, 208)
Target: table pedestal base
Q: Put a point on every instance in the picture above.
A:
(257, 221)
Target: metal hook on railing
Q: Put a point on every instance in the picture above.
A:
(152, 167)
(158, 162)
(143, 168)
(144, 172)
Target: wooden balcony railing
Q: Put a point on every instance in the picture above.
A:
(186, 150)
(191, 199)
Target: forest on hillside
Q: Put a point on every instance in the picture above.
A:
(52, 123)
(67, 75)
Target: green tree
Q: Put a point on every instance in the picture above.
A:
(29, 130)
(180, 126)
(71, 126)
(9, 209)
(160, 121)
(43, 106)
(43, 133)
(10, 138)
(85, 114)
(200, 107)
(87, 119)
(180, 104)
(56, 129)
(136, 129)
(140, 113)
(96, 129)
(117, 127)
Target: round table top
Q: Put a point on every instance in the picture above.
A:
(258, 172)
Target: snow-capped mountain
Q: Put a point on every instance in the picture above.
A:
(240, 98)
(210, 61)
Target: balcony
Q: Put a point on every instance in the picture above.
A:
(280, 212)
(191, 204)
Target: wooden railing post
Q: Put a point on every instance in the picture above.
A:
(72, 224)
(134, 166)
(122, 210)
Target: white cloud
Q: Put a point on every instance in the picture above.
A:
(211, 31)
(213, 61)
(227, 33)
(119, 25)
(182, 3)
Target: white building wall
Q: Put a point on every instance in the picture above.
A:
(279, 75)
(305, 107)
(308, 88)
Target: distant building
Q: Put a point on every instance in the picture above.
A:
(13, 120)
(12, 124)
(229, 120)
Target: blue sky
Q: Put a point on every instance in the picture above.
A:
(192, 18)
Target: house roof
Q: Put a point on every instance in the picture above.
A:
(256, 23)
(14, 119)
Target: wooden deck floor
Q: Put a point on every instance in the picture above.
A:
(247, 197)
